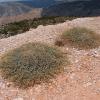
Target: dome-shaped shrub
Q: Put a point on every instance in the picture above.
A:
(79, 37)
(31, 64)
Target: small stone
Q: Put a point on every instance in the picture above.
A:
(19, 98)
(76, 61)
(72, 76)
(94, 81)
(8, 84)
(38, 89)
(33, 99)
(2, 85)
(98, 90)
(1, 98)
(87, 84)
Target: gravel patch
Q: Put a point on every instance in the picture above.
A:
(80, 81)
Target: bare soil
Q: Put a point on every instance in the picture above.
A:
(80, 79)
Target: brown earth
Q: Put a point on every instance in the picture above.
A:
(80, 79)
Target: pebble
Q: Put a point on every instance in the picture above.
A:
(72, 76)
(33, 99)
(19, 98)
(1, 98)
(2, 85)
(87, 84)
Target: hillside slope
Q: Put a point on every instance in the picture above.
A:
(34, 13)
(17, 11)
(75, 8)
(13, 9)
(80, 81)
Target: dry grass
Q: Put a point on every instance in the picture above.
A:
(78, 37)
(31, 64)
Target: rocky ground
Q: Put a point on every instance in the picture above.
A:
(80, 79)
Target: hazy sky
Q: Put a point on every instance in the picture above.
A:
(11, 0)
(72, 0)
(29, 0)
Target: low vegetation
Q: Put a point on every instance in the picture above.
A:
(31, 64)
(23, 26)
(79, 37)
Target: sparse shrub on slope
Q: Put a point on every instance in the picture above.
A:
(24, 25)
(31, 64)
(78, 37)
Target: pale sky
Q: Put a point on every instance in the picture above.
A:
(29, 0)
(11, 0)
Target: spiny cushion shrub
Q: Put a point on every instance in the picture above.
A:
(79, 37)
(31, 64)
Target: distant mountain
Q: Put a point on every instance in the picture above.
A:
(75, 8)
(23, 9)
(17, 11)
(13, 9)
(40, 3)
(35, 13)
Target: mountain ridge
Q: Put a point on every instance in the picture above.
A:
(35, 13)
(13, 9)
(75, 8)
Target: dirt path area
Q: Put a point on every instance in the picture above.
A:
(80, 80)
